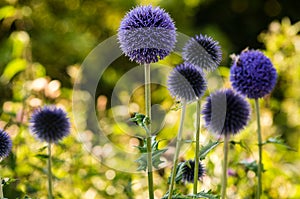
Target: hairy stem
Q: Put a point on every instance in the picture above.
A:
(198, 132)
(260, 165)
(149, 144)
(49, 173)
(177, 150)
(1, 189)
(225, 163)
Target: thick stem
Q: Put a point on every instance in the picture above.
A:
(225, 163)
(260, 165)
(177, 150)
(1, 189)
(198, 131)
(50, 192)
(149, 144)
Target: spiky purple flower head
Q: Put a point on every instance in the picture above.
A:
(5, 144)
(187, 82)
(50, 124)
(203, 51)
(226, 112)
(147, 34)
(252, 74)
(188, 171)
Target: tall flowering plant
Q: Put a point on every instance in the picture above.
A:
(146, 35)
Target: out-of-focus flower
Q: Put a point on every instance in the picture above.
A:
(50, 124)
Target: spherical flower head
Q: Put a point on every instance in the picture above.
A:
(203, 51)
(187, 82)
(226, 112)
(50, 124)
(188, 171)
(252, 74)
(147, 34)
(5, 144)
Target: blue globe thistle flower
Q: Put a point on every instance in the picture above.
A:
(252, 74)
(147, 34)
(203, 51)
(226, 112)
(187, 82)
(5, 144)
(50, 124)
(188, 171)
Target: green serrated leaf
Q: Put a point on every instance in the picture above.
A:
(278, 140)
(156, 154)
(207, 148)
(252, 166)
(201, 194)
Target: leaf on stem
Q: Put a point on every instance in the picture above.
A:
(207, 148)
(278, 140)
(156, 154)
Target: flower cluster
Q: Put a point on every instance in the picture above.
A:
(203, 51)
(147, 34)
(226, 112)
(188, 171)
(187, 82)
(50, 124)
(5, 144)
(252, 74)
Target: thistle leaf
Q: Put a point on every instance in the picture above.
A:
(207, 148)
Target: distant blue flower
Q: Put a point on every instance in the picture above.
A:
(187, 82)
(188, 171)
(5, 144)
(50, 124)
(252, 74)
(226, 112)
(147, 34)
(203, 51)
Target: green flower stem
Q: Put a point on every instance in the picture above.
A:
(198, 129)
(1, 189)
(225, 164)
(177, 150)
(149, 144)
(260, 165)
(50, 192)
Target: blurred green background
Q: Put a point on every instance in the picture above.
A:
(43, 43)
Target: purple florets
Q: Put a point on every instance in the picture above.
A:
(226, 112)
(147, 34)
(203, 51)
(188, 171)
(5, 144)
(187, 82)
(50, 124)
(252, 74)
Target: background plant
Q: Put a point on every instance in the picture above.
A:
(51, 38)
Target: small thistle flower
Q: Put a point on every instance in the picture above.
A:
(188, 171)
(226, 112)
(50, 124)
(187, 82)
(252, 74)
(203, 51)
(5, 144)
(147, 34)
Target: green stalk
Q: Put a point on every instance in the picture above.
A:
(177, 150)
(260, 165)
(196, 171)
(49, 173)
(225, 163)
(1, 189)
(149, 144)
